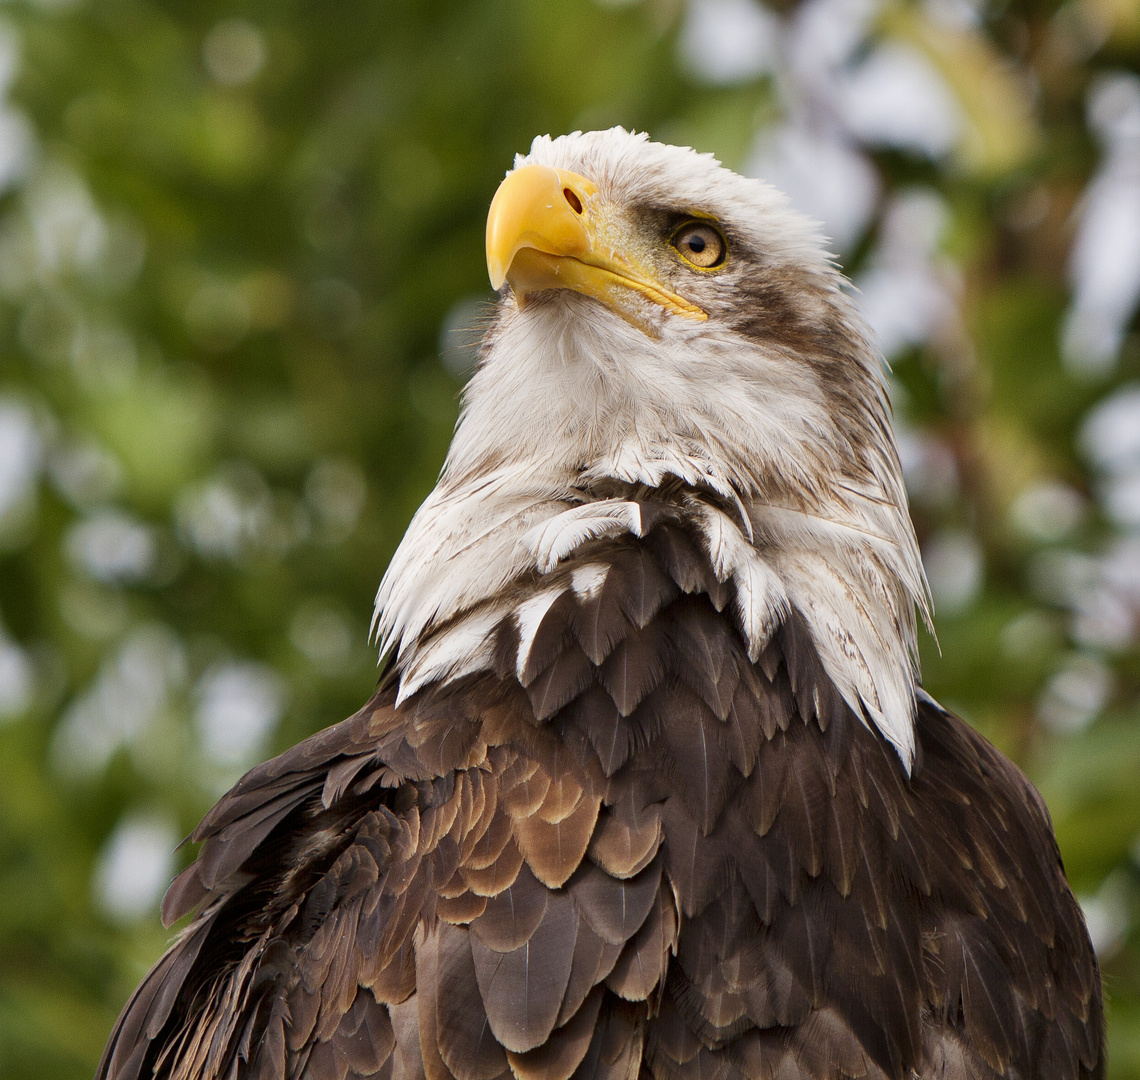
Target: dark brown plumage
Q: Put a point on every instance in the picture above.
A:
(649, 789)
(493, 879)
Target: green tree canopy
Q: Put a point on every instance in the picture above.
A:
(241, 277)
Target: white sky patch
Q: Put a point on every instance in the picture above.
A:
(1107, 914)
(1121, 498)
(234, 52)
(1104, 264)
(17, 141)
(84, 473)
(17, 147)
(896, 97)
(929, 466)
(1110, 434)
(131, 691)
(903, 293)
(954, 569)
(901, 307)
(21, 454)
(836, 101)
(135, 866)
(824, 176)
(728, 41)
(913, 224)
(1120, 567)
(68, 231)
(111, 546)
(1103, 595)
(825, 34)
(1103, 618)
(954, 14)
(221, 518)
(1110, 437)
(240, 704)
(1100, 592)
(1075, 695)
(1047, 511)
(17, 679)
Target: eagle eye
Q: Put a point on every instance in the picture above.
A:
(701, 245)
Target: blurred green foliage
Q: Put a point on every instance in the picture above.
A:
(240, 261)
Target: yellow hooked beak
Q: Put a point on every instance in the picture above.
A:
(548, 229)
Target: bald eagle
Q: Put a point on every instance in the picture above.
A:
(649, 787)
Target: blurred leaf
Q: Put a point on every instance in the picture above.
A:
(1001, 132)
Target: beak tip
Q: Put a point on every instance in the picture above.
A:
(529, 210)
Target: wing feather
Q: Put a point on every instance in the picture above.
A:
(625, 849)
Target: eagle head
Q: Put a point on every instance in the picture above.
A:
(666, 326)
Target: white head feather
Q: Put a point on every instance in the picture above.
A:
(775, 403)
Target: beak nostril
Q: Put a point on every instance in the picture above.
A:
(573, 200)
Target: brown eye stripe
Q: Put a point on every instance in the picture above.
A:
(701, 244)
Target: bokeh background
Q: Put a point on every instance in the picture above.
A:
(240, 257)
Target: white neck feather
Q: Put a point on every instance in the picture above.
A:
(563, 409)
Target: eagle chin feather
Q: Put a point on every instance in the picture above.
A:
(649, 790)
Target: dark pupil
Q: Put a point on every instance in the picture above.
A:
(697, 244)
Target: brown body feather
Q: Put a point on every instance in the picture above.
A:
(638, 854)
